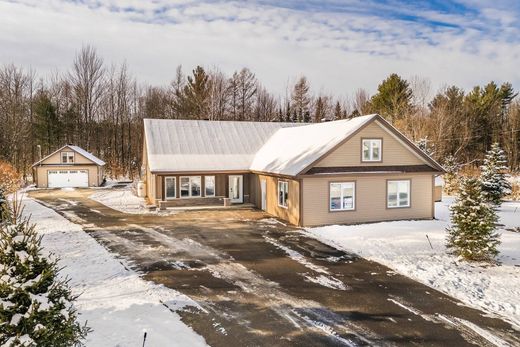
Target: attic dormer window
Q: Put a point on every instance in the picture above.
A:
(67, 157)
(371, 150)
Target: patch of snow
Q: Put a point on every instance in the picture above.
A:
(404, 246)
(117, 303)
(297, 256)
(69, 189)
(122, 200)
(327, 281)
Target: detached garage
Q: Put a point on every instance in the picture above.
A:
(69, 167)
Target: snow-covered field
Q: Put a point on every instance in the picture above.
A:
(405, 247)
(117, 304)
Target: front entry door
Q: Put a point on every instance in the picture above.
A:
(236, 189)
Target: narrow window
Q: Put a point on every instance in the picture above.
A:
(195, 182)
(283, 193)
(342, 196)
(371, 149)
(185, 187)
(398, 194)
(209, 186)
(171, 187)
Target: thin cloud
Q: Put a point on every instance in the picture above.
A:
(339, 45)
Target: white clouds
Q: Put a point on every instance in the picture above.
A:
(339, 50)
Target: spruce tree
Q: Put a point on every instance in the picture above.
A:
(35, 305)
(494, 180)
(472, 234)
(451, 177)
(3, 204)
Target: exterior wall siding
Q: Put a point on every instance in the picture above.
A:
(94, 179)
(349, 153)
(292, 212)
(370, 199)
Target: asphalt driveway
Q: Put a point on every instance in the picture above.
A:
(263, 283)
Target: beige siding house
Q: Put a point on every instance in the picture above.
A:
(340, 172)
(69, 167)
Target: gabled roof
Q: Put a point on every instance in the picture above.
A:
(76, 149)
(197, 145)
(289, 151)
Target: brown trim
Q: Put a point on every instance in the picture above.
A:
(409, 193)
(364, 174)
(367, 169)
(380, 150)
(433, 196)
(198, 173)
(163, 189)
(355, 196)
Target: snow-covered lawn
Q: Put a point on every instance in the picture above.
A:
(404, 247)
(118, 304)
(121, 199)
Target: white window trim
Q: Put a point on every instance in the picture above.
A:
(286, 191)
(166, 187)
(68, 153)
(189, 187)
(409, 183)
(353, 208)
(214, 187)
(371, 150)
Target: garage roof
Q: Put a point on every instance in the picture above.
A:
(76, 149)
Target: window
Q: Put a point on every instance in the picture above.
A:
(190, 186)
(283, 193)
(398, 194)
(170, 187)
(371, 150)
(342, 196)
(67, 157)
(209, 185)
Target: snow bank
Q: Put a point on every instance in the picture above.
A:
(116, 302)
(122, 200)
(405, 247)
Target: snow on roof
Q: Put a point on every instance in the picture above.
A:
(77, 149)
(87, 155)
(197, 145)
(290, 150)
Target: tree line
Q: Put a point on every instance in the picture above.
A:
(100, 107)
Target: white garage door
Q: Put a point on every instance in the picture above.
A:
(68, 179)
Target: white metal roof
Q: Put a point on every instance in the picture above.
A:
(197, 145)
(77, 149)
(289, 151)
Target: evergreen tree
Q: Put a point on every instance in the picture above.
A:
(3, 204)
(47, 125)
(472, 234)
(393, 98)
(494, 180)
(337, 111)
(288, 117)
(35, 306)
(319, 112)
(196, 93)
(451, 177)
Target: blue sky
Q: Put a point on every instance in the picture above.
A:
(339, 45)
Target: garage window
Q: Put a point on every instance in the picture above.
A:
(170, 187)
(398, 194)
(342, 196)
(67, 157)
(209, 186)
(283, 193)
(190, 186)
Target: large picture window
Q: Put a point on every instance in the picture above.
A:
(342, 196)
(190, 186)
(283, 193)
(209, 185)
(371, 149)
(170, 187)
(398, 194)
